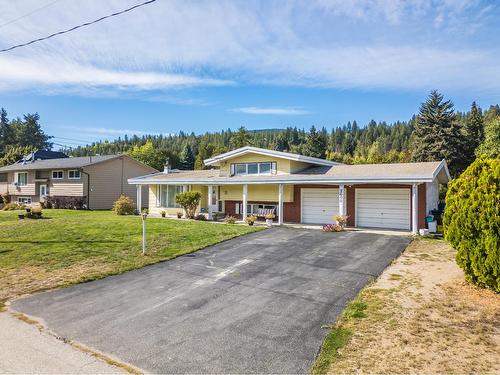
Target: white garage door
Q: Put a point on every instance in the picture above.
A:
(319, 205)
(383, 208)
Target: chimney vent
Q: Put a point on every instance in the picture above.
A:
(166, 167)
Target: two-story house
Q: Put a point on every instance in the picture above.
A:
(99, 180)
(302, 189)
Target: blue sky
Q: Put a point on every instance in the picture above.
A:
(206, 65)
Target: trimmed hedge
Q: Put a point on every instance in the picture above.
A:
(472, 221)
(64, 202)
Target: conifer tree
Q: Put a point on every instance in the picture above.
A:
(315, 145)
(186, 158)
(474, 131)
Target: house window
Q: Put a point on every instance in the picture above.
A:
(22, 179)
(3, 177)
(253, 208)
(74, 174)
(57, 175)
(253, 168)
(24, 200)
(167, 195)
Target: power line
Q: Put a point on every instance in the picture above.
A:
(28, 14)
(77, 27)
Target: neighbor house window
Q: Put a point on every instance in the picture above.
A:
(57, 175)
(74, 174)
(22, 179)
(253, 168)
(24, 200)
(4, 177)
(167, 195)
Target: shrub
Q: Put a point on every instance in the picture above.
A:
(5, 198)
(179, 215)
(65, 202)
(230, 219)
(472, 221)
(250, 219)
(201, 217)
(189, 200)
(13, 206)
(124, 206)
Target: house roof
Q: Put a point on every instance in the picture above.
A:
(215, 161)
(345, 174)
(76, 162)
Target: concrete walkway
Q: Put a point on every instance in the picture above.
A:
(24, 349)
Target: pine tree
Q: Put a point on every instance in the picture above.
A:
(437, 134)
(315, 145)
(186, 158)
(241, 138)
(5, 131)
(474, 131)
(491, 144)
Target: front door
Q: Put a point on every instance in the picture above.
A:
(43, 192)
(213, 199)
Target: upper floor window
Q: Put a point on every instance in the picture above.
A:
(22, 179)
(253, 168)
(57, 175)
(74, 174)
(4, 177)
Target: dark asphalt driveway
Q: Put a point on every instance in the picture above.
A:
(254, 304)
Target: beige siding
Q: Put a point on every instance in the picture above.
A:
(64, 187)
(4, 187)
(256, 193)
(108, 180)
(26, 191)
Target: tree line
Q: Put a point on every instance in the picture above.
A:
(437, 132)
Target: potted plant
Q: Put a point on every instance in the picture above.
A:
(341, 220)
(163, 213)
(250, 219)
(179, 215)
(269, 219)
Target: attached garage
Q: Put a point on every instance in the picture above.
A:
(383, 208)
(319, 205)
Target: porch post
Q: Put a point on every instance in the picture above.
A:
(280, 204)
(209, 201)
(139, 198)
(342, 200)
(245, 200)
(414, 208)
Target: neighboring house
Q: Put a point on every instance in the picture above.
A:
(99, 180)
(302, 189)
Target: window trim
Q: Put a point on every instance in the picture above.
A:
(159, 193)
(74, 178)
(272, 168)
(17, 178)
(58, 178)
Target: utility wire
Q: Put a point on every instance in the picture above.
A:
(28, 14)
(77, 27)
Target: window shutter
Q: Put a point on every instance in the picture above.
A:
(273, 167)
(232, 170)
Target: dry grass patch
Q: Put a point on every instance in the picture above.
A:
(422, 317)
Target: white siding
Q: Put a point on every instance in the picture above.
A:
(431, 195)
(319, 206)
(383, 208)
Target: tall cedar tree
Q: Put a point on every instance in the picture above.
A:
(437, 134)
(186, 159)
(474, 131)
(315, 144)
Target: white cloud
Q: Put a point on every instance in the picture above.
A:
(271, 111)
(179, 44)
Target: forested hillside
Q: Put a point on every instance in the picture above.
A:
(436, 132)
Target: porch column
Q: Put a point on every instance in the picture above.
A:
(414, 208)
(280, 204)
(139, 198)
(342, 200)
(209, 202)
(245, 201)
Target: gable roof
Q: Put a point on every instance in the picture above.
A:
(63, 163)
(262, 151)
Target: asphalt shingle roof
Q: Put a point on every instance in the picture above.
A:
(62, 163)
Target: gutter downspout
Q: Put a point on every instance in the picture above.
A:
(88, 188)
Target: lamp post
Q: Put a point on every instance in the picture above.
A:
(144, 216)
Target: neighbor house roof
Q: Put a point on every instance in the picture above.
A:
(63, 163)
(262, 151)
(337, 174)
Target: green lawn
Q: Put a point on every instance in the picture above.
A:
(68, 246)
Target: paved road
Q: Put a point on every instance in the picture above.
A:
(255, 304)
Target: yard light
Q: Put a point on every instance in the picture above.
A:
(144, 216)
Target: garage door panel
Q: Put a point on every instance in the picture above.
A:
(383, 208)
(319, 205)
